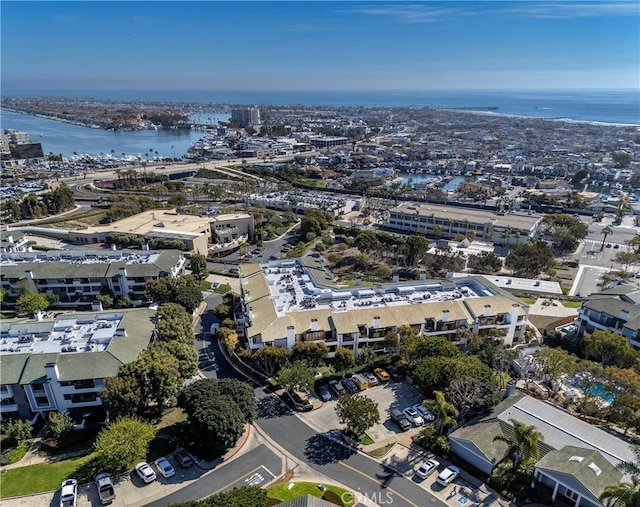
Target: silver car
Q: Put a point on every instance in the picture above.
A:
(414, 417)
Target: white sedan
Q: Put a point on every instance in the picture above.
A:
(424, 412)
(427, 468)
(165, 468)
(145, 472)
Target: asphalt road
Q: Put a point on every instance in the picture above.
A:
(261, 461)
(338, 462)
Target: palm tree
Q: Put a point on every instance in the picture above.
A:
(524, 443)
(443, 411)
(623, 494)
(605, 232)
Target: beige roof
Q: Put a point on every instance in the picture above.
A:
(499, 305)
(145, 222)
(271, 327)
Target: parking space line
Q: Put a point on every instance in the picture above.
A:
(378, 482)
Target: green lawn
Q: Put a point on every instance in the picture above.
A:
(281, 492)
(205, 285)
(528, 301)
(382, 451)
(571, 304)
(366, 440)
(15, 454)
(223, 289)
(41, 477)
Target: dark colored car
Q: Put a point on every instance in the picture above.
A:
(394, 372)
(184, 458)
(350, 386)
(324, 393)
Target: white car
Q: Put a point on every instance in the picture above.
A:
(373, 380)
(414, 417)
(424, 412)
(145, 472)
(427, 468)
(165, 468)
(69, 493)
(448, 475)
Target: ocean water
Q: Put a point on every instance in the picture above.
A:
(614, 106)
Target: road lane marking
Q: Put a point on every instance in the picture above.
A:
(249, 473)
(378, 482)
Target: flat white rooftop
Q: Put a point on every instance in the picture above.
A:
(293, 290)
(61, 335)
(82, 257)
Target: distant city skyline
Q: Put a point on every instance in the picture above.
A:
(332, 46)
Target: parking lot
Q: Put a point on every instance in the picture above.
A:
(388, 395)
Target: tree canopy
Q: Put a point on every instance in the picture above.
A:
(528, 260)
(358, 412)
(123, 443)
(198, 266)
(296, 377)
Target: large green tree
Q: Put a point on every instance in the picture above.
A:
(123, 444)
(358, 412)
(311, 353)
(205, 390)
(296, 377)
(217, 422)
(564, 231)
(605, 346)
(174, 323)
(159, 374)
(122, 396)
(343, 359)
(269, 360)
(31, 302)
(530, 259)
(198, 266)
(185, 354)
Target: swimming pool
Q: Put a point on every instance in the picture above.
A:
(598, 390)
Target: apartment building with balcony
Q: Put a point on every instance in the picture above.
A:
(287, 301)
(616, 310)
(450, 222)
(78, 276)
(61, 364)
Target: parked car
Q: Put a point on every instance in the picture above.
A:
(105, 488)
(146, 473)
(69, 493)
(424, 412)
(165, 468)
(184, 458)
(350, 386)
(361, 381)
(337, 388)
(448, 475)
(324, 393)
(427, 468)
(381, 374)
(414, 417)
(373, 380)
(399, 418)
(394, 372)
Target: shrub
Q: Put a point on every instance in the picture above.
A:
(333, 497)
(60, 424)
(18, 430)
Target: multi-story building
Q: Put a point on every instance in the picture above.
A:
(245, 116)
(616, 310)
(78, 276)
(231, 227)
(450, 222)
(284, 302)
(61, 364)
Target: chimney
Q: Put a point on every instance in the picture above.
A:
(423, 275)
(153, 215)
(10, 239)
(396, 277)
(624, 315)
(487, 311)
(376, 322)
(314, 325)
(445, 316)
(358, 281)
(145, 247)
(114, 247)
(291, 335)
(38, 316)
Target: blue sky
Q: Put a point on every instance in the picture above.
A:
(305, 45)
